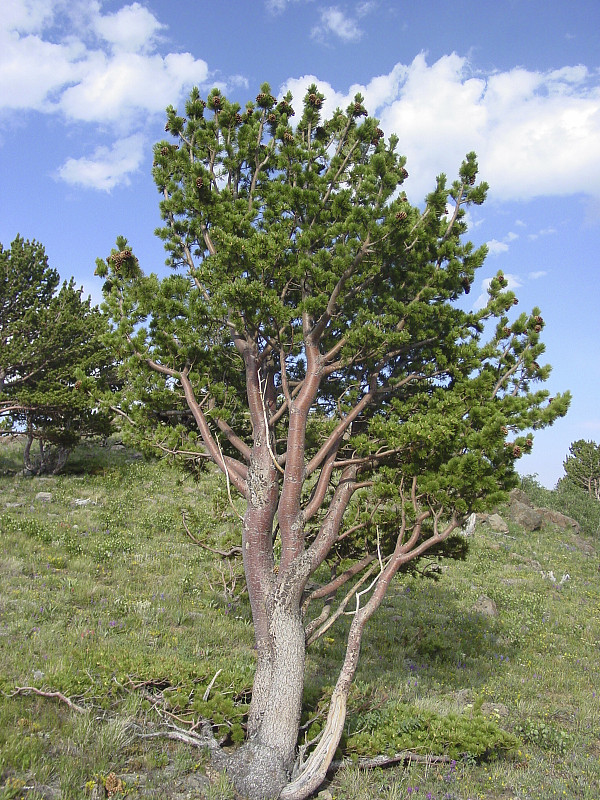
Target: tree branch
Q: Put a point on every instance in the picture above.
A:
(58, 695)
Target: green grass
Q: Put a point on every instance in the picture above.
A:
(110, 603)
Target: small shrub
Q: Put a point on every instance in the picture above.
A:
(401, 726)
(545, 735)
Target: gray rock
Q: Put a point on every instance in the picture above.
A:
(82, 501)
(486, 606)
(14, 505)
(44, 497)
(519, 496)
(561, 520)
(527, 517)
(496, 523)
(469, 527)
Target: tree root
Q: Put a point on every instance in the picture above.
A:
(22, 690)
(204, 739)
(387, 761)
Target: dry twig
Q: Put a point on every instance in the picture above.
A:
(20, 690)
(224, 554)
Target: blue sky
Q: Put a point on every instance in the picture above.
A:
(84, 84)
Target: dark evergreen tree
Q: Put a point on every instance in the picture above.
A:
(50, 351)
(582, 466)
(311, 343)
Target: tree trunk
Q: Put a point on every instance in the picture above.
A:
(61, 456)
(30, 465)
(263, 765)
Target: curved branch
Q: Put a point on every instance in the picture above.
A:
(209, 440)
(335, 437)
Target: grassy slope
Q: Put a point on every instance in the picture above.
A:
(97, 599)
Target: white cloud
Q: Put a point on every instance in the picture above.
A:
(534, 276)
(116, 87)
(133, 28)
(26, 16)
(91, 83)
(67, 57)
(495, 247)
(335, 21)
(364, 8)
(32, 71)
(379, 92)
(535, 133)
(276, 6)
(543, 232)
(108, 167)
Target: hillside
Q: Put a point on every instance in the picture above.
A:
(108, 601)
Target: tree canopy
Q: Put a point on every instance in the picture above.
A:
(582, 466)
(314, 342)
(50, 348)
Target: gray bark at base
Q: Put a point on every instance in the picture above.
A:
(257, 772)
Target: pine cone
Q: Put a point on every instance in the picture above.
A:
(288, 136)
(403, 174)
(401, 216)
(516, 451)
(113, 785)
(265, 100)
(285, 108)
(164, 151)
(272, 118)
(217, 101)
(377, 136)
(199, 182)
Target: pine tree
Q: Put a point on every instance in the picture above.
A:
(50, 350)
(313, 343)
(582, 466)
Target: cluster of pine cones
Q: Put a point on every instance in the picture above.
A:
(119, 258)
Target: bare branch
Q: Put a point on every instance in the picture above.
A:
(354, 592)
(58, 695)
(234, 551)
